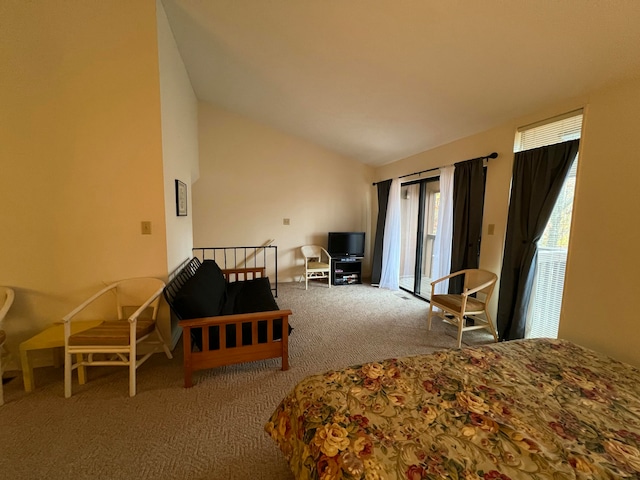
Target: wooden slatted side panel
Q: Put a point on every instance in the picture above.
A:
(194, 361)
(240, 274)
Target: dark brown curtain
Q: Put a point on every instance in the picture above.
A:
(468, 204)
(383, 200)
(538, 176)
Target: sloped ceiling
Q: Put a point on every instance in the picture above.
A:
(380, 80)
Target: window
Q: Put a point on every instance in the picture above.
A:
(543, 319)
(558, 129)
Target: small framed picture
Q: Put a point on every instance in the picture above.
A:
(181, 199)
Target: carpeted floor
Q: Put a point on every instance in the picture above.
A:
(215, 429)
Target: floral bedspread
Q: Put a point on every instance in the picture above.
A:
(530, 409)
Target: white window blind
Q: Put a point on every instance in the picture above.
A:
(556, 130)
(543, 318)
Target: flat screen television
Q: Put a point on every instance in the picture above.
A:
(346, 244)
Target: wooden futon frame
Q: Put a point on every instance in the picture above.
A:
(249, 329)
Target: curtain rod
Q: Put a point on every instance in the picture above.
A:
(486, 157)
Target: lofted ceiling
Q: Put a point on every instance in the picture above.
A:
(380, 80)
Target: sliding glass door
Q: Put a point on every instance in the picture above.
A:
(419, 215)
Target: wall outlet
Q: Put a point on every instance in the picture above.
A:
(286, 221)
(146, 228)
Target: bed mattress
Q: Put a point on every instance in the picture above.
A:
(529, 409)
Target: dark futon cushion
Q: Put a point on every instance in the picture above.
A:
(249, 296)
(203, 295)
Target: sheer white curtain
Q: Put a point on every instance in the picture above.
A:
(390, 276)
(444, 231)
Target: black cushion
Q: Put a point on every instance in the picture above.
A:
(207, 294)
(249, 296)
(203, 295)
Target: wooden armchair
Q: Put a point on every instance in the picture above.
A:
(116, 337)
(466, 305)
(314, 266)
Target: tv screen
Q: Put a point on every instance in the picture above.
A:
(346, 244)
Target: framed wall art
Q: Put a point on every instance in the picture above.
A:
(181, 199)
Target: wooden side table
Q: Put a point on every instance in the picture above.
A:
(52, 337)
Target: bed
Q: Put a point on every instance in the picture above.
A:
(529, 409)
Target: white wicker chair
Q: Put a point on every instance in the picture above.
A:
(6, 300)
(117, 337)
(463, 306)
(314, 267)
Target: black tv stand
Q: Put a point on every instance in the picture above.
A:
(346, 270)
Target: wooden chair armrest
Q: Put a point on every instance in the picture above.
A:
(134, 316)
(471, 291)
(7, 304)
(87, 302)
(451, 275)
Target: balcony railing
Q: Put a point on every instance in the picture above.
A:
(242, 257)
(546, 298)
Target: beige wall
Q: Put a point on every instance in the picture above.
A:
(600, 303)
(81, 154)
(603, 254)
(84, 161)
(253, 176)
(179, 108)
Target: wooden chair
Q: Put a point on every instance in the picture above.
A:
(314, 267)
(464, 306)
(116, 337)
(6, 300)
